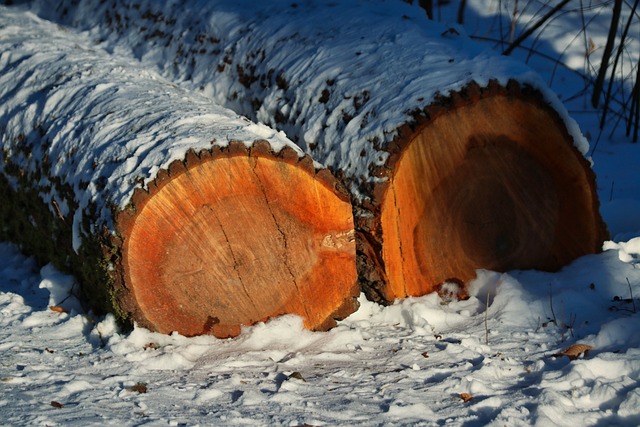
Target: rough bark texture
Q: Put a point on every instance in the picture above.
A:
(172, 212)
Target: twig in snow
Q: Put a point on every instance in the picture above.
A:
(633, 301)
(553, 313)
(572, 322)
(562, 320)
(568, 326)
(634, 115)
(611, 192)
(486, 319)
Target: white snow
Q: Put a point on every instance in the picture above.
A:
(627, 251)
(405, 364)
(402, 364)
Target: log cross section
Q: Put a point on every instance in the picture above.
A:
(235, 239)
(493, 184)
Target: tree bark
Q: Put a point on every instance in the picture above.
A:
(174, 213)
(456, 159)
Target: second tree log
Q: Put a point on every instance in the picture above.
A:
(492, 181)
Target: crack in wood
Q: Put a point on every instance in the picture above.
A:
(236, 265)
(284, 238)
(397, 224)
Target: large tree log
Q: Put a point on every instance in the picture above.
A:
(456, 159)
(175, 213)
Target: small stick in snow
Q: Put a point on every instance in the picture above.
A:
(555, 321)
(633, 301)
(486, 320)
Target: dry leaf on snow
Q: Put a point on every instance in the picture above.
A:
(574, 351)
(139, 387)
(466, 397)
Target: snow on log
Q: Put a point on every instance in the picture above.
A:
(175, 213)
(456, 159)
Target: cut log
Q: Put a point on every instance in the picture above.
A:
(236, 237)
(493, 183)
(456, 159)
(174, 213)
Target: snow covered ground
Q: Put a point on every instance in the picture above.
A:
(410, 363)
(404, 364)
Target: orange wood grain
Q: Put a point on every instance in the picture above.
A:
(237, 240)
(492, 184)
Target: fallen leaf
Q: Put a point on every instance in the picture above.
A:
(58, 309)
(466, 397)
(297, 375)
(592, 47)
(152, 346)
(139, 387)
(574, 351)
(57, 404)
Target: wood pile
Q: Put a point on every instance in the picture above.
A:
(442, 159)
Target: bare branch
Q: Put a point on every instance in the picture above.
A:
(534, 27)
(606, 55)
